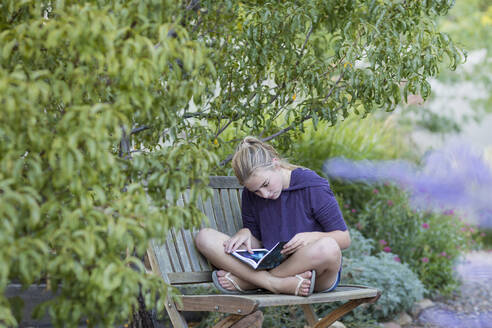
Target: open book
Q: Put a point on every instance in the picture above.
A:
(262, 259)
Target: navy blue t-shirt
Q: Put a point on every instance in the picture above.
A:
(307, 205)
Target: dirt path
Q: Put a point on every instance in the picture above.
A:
(472, 306)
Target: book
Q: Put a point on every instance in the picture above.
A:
(262, 259)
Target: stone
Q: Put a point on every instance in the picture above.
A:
(337, 324)
(391, 324)
(421, 305)
(403, 319)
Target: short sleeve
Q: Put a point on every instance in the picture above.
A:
(248, 214)
(325, 209)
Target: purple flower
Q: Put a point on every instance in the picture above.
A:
(390, 202)
(397, 259)
(444, 254)
(425, 259)
(375, 191)
(383, 242)
(448, 212)
(354, 210)
(387, 249)
(425, 225)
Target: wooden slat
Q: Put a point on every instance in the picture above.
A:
(236, 208)
(189, 244)
(340, 294)
(183, 278)
(200, 204)
(204, 265)
(209, 212)
(309, 314)
(180, 244)
(253, 320)
(173, 253)
(218, 303)
(176, 317)
(336, 314)
(162, 256)
(170, 247)
(240, 196)
(224, 182)
(218, 212)
(226, 206)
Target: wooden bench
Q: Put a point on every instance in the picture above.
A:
(179, 263)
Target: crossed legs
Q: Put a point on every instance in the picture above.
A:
(324, 256)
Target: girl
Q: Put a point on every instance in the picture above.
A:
(280, 202)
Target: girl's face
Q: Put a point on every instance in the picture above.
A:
(268, 182)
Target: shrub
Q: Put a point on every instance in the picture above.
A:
(364, 139)
(359, 246)
(400, 286)
(382, 212)
(428, 242)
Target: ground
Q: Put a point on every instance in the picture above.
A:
(471, 306)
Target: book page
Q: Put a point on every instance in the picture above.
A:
(256, 256)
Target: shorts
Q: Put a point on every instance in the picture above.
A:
(337, 281)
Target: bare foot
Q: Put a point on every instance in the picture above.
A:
(227, 283)
(288, 285)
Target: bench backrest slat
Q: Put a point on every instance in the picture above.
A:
(235, 199)
(177, 257)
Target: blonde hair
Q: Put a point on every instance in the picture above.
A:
(251, 154)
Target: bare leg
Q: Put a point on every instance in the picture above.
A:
(210, 243)
(324, 256)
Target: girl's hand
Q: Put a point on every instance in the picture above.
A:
(300, 240)
(242, 237)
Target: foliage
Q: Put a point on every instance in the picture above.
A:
(369, 139)
(106, 112)
(401, 287)
(428, 242)
(383, 212)
(74, 81)
(359, 245)
(469, 23)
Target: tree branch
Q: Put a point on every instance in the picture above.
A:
(139, 129)
(125, 145)
(225, 127)
(305, 42)
(283, 84)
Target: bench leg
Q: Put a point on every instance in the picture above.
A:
(309, 314)
(176, 317)
(253, 320)
(343, 310)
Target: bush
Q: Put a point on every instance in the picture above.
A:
(428, 242)
(399, 285)
(369, 139)
(383, 212)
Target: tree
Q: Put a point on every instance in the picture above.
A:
(111, 109)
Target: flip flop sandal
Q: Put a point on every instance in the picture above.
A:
(223, 290)
(301, 279)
